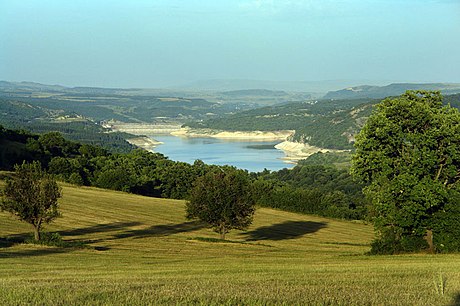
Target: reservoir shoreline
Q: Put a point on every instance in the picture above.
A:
(293, 151)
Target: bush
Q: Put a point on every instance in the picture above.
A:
(50, 239)
(393, 242)
(76, 179)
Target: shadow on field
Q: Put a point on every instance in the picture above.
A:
(68, 245)
(456, 301)
(9, 241)
(285, 230)
(163, 230)
(36, 252)
(75, 242)
(98, 228)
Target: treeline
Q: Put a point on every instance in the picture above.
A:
(138, 171)
(313, 189)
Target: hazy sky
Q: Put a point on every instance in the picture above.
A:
(140, 43)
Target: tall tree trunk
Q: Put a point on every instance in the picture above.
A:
(37, 232)
(222, 231)
(429, 240)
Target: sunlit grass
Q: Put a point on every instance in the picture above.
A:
(143, 251)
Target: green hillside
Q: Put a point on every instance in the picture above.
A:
(142, 250)
(330, 124)
(327, 123)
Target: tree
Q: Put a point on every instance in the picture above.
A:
(409, 154)
(223, 199)
(32, 196)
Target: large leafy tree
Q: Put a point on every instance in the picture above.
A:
(409, 154)
(223, 199)
(32, 196)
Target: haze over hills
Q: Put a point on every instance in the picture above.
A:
(331, 122)
(230, 88)
(318, 87)
(395, 89)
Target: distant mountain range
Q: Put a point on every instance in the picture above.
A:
(254, 92)
(37, 87)
(318, 87)
(232, 89)
(378, 92)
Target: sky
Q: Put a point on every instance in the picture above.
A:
(155, 43)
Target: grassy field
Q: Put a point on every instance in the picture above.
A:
(143, 251)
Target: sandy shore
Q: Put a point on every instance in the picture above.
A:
(243, 135)
(144, 142)
(296, 151)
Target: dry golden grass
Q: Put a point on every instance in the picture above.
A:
(143, 251)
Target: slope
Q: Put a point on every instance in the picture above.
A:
(143, 251)
(395, 89)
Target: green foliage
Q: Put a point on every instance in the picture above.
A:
(312, 189)
(409, 153)
(392, 241)
(223, 199)
(31, 195)
(446, 225)
(139, 171)
(50, 239)
(341, 160)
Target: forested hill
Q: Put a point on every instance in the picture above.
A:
(328, 124)
(396, 89)
(77, 112)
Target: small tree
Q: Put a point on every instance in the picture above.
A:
(223, 200)
(32, 196)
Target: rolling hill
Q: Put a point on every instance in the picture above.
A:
(137, 250)
(330, 124)
(395, 89)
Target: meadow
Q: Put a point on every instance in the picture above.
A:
(134, 250)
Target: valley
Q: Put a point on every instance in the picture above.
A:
(250, 152)
(123, 118)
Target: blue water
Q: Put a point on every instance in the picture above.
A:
(222, 152)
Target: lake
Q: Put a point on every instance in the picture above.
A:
(253, 156)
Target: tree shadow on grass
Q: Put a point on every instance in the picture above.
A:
(9, 241)
(68, 245)
(80, 243)
(285, 230)
(162, 230)
(456, 301)
(98, 228)
(35, 252)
